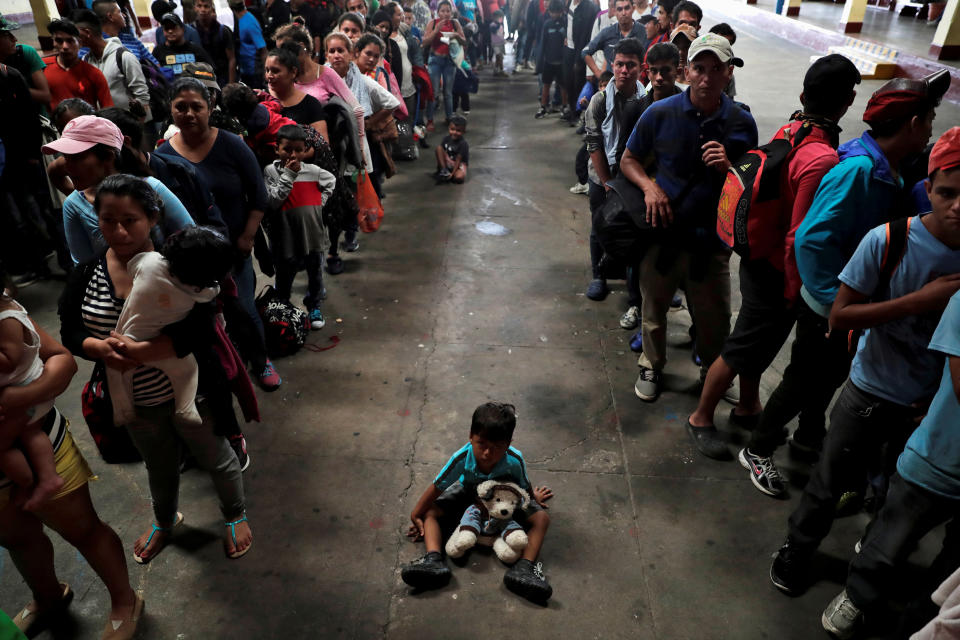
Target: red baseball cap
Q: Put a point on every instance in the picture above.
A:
(946, 152)
(900, 97)
(85, 132)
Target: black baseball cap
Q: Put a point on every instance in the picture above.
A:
(171, 18)
(829, 77)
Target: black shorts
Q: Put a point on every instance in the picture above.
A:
(764, 322)
(551, 72)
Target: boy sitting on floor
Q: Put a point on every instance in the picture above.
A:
(453, 153)
(487, 456)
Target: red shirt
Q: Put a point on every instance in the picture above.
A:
(810, 162)
(82, 80)
(444, 27)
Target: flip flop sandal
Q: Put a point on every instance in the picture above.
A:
(153, 532)
(125, 628)
(233, 536)
(32, 622)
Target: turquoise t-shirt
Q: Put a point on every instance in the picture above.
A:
(462, 467)
(892, 359)
(931, 458)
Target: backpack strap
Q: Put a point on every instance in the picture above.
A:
(896, 246)
(118, 56)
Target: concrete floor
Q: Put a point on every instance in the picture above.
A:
(649, 539)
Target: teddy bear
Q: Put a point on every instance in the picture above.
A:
(490, 522)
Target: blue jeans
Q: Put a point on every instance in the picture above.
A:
(246, 292)
(441, 69)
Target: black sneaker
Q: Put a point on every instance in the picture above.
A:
(334, 265)
(763, 473)
(239, 446)
(526, 579)
(426, 572)
(789, 569)
(351, 242)
(541, 112)
(707, 440)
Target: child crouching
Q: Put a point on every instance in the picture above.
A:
(487, 456)
(453, 153)
(296, 192)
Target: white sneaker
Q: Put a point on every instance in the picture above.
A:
(630, 319)
(581, 189)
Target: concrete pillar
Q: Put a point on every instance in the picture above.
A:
(142, 9)
(852, 19)
(946, 41)
(790, 8)
(44, 11)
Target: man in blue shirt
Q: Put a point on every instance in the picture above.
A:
(250, 46)
(926, 490)
(690, 138)
(114, 26)
(893, 375)
(608, 37)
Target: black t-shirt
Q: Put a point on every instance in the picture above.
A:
(307, 111)
(175, 56)
(553, 34)
(313, 19)
(456, 148)
(216, 42)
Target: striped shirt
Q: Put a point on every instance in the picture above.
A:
(100, 311)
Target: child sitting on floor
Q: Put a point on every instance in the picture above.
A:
(488, 455)
(20, 364)
(453, 153)
(296, 192)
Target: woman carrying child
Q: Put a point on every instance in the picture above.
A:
(127, 210)
(69, 511)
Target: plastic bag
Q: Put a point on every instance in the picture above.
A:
(371, 211)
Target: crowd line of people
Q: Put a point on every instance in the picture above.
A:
(854, 245)
(159, 175)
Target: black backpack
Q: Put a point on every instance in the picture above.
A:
(286, 326)
(158, 85)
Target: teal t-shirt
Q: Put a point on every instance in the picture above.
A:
(931, 458)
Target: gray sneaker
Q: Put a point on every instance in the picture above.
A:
(647, 386)
(841, 618)
(630, 319)
(764, 474)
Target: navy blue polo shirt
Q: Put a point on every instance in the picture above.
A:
(669, 137)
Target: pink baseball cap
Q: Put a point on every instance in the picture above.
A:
(84, 132)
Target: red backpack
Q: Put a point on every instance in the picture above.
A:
(750, 217)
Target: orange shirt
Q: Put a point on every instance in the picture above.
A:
(82, 80)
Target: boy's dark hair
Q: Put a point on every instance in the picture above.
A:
(725, 30)
(494, 421)
(668, 6)
(87, 18)
(63, 26)
(555, 6)
(690, 7)
(629, 47)
(124, 185)
(292, 132)
(198, 256)
(382, 16)
(498, 14)
(459, 122)
(646, 19)
(239, 100)
(663, 52)
(76, 106)
(407, 8)
(606, 76)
